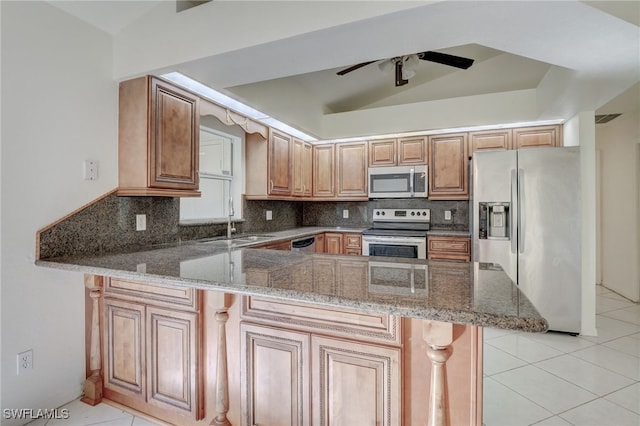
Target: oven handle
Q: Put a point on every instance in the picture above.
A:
(395, 240)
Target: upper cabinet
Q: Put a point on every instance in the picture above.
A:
(302, 168)
(490, 140)
(323, 171)
(398, 152)
(351, 170)
(448, 167)
(158, 139)
(280, 163)
(539, 136)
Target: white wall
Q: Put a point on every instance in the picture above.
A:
(59, 108)
(619, 143)
(580, 131)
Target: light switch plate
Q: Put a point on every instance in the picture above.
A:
(91, 170)
(447, 215)
(269, 215)
(141, 222)
(345, 214)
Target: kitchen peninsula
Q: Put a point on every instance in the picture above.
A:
(271, 337)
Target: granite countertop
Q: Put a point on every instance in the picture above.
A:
(464, 293)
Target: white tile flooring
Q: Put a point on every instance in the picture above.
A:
(557, 379)
(530, 379)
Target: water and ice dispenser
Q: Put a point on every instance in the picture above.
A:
(494, 221)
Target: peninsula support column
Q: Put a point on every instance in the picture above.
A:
(222, 378)
(439, 337)
(93, 383)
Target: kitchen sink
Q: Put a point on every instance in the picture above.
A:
(236, 241)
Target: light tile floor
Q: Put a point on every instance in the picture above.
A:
(557, 379)
(547, 379)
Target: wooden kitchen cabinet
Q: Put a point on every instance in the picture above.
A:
(320, 243)
(369, 372)
(333, 243)
(448, 167)
(449, 248)
(275, 359)
(158, 139)
(398, 152)
(278, 245)
(538, 136)
(279, 163)
(302, 168)
(383, 153)
(352, 244)
(152, 349)
(500, 139)
(351, 170)
(412, 151)
(324, 171)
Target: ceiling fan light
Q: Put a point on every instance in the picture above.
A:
(407, 73)
(411, 61)
(386, 66)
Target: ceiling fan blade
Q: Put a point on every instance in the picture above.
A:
(445, 59)
(353, 68)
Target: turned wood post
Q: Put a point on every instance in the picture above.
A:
(222, 379)
(93, 383)
(439, 336)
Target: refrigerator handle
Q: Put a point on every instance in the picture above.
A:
(521, 211)
(514, 197)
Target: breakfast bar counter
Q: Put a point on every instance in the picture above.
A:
(267, 335)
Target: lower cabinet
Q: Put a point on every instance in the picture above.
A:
(354, 383)
(343, 243)
(152, 356)
(317, 371)
(449, 248)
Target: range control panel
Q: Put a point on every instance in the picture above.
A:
(402, 215)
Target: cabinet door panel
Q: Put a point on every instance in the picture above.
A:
(351, 164)
(448, 167)
(490, 140)
(412, 151)
(323, 170)
(174, 138)
(342, 369)
(280, 182)
(124, 348)
(333, 243)
(274, 359)
(382, 153)
(539, 136)
(172, 344)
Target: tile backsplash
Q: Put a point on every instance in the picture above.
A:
(109, 223)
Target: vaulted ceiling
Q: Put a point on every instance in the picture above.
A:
(590, 49)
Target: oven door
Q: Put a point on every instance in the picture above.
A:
(410, 247)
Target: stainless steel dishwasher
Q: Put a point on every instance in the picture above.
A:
(306, 244)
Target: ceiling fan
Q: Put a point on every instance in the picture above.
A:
(404, 65)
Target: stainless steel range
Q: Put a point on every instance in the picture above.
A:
(397, 233)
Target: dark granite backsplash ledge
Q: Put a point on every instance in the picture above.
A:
(108, 224)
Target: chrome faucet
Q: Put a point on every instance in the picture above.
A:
(230, 228)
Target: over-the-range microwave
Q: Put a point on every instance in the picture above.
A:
(398, 182)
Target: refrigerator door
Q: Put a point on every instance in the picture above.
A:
(493, 174)
(549, 245)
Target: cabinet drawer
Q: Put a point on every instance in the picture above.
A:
(381, 328)
(449, 248)
(166, 296)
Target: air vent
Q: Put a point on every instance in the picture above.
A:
(605, 118)
(188, 4)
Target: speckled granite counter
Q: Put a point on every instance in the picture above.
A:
(464, 293)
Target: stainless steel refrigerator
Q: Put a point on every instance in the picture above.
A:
(526, 217)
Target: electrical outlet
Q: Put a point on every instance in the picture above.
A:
(141, 222)
(345, 214)
(25, 361)
(447, 215)
(269, 215)
(91, 170)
